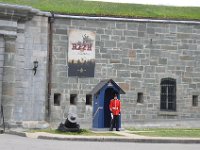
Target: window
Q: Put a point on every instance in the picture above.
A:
(195, 100)
(57, 97)
(73, 98)
(88, 99)
(168, 94)
(140, 98)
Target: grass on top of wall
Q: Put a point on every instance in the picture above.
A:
(80, 7)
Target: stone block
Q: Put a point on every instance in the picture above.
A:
(10, 47)
(183, 36)
(117, 32)
(125, 86)
(150, 31)
(115, 38)
(8, 89)
(184, 29)
(35, 124)
(61, 31)
(125, 61)
(67, 22)
(169, 47)
(163, 61)
(186, 58)
(149, 69)
(173, 28)
(160, 69)
(132, 53)
(118, 66)
(142, 27)
(155, 53)
(9, 59)
(124, 45)
(153, 62)
(8, 112)
(110, 44)
(145, 62)
(123, 74)
(137, 75)
(105, 56)
(95, 24)
(132, 26)
(105, 37)
(108, 32)
(141, 34)
(130, 33)
(183, 46)
(121, 25)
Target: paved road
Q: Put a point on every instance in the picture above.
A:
(13, 142)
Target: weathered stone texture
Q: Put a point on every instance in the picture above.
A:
(136, 55)
(150, 52)
(23, 94)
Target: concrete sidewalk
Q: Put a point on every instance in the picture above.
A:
(124, 136)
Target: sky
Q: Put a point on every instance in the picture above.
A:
(193, 3)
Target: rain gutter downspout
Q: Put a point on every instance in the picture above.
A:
(49, 74)
(128, 19)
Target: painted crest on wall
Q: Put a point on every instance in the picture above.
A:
(81, 53)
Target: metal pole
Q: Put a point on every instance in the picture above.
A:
(50, 36)
(2, 115)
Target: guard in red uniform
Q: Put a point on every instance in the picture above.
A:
(115, 109)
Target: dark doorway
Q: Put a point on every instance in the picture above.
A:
(107, 97)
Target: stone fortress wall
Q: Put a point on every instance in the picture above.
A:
(135, 53)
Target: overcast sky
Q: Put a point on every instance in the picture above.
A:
(194, 3)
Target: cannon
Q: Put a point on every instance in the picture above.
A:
(70, 124)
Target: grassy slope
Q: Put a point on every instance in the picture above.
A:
(79, 7)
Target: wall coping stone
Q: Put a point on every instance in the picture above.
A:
(128, 19)
(19, 12)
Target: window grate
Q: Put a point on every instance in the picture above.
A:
(195, 100)
(88, 99)
(168, 94)
(73, 99)
(57, 98)
(140, 98)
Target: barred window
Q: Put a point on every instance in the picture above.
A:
(88, 99)
(73, 99)
(168, 94)
(140, 97)
(195, 100)
(57, 98)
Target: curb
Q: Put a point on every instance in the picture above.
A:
(16, 133)
(111, 139)
(130, 140)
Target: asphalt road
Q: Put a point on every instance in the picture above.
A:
(13, 142)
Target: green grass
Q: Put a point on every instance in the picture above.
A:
(80, 7)
(195, 133)
(82, 132)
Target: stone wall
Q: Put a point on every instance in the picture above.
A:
(136, 55)
(24, 33)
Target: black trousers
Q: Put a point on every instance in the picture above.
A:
(114, 123)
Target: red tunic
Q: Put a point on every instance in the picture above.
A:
(115, 106)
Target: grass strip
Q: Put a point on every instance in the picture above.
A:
(166, 132)
(82, 132)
